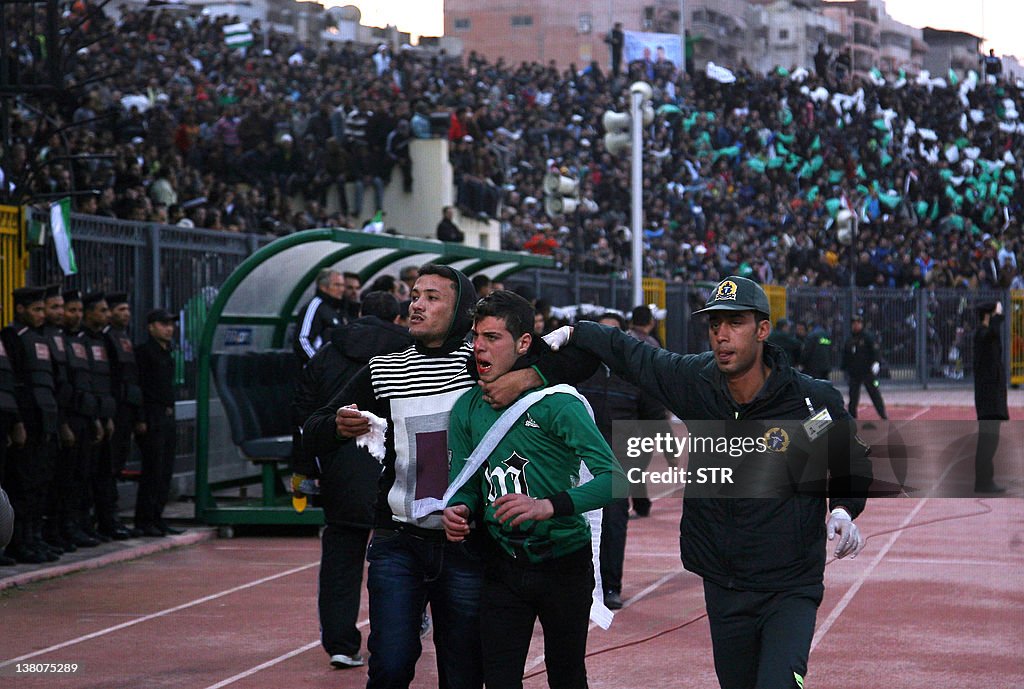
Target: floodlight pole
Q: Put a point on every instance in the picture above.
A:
(636, 103)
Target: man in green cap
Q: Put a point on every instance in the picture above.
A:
(761, 553)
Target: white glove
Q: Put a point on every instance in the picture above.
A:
(559, 337)
(875, 368)
(850, 541)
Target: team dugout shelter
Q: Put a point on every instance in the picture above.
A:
(244, 355)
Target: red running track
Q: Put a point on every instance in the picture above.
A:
(936, 599)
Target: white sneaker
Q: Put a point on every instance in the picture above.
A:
(342, 661)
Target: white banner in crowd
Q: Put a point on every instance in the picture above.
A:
(653, 47)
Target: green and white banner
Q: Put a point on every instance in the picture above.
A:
(60, 227)
(237, 35)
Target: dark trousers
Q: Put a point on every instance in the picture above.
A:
(120, 450)
(516, 594)
(988, 443)
(65, 494)
(407, 571)
(29, 475)
(614, 522)
(157, 447)
(104, 490)
(761, 640)
(342, 556)
(873, 392)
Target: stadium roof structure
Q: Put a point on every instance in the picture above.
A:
(256, 308)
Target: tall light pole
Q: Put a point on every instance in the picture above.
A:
(636, 223)
(639, 93)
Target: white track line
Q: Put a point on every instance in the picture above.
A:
(270, 663)
(920, 413)
(852, 591)
(153, 616)
(837, 611)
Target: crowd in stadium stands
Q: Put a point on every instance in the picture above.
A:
(745, 177)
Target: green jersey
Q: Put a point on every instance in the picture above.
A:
(539, 456)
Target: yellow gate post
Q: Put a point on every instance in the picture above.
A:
(1016, 337)
(776, 301)
(13, 258)
(654, 293)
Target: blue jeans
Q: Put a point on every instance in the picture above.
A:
(406, 572)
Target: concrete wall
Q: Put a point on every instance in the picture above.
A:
(416, 213)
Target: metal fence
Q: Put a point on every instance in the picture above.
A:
(175, 268)
(925, 335)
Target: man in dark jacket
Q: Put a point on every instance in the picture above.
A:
(762, 558)
(156, 435)
(785, 340)
(816, 358)
(348, 477)
(989, 393)
(447, 230)
(860, 361)
(613, 399)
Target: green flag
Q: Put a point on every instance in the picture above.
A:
(60, 226)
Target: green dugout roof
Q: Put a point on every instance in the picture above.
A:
(256, 307)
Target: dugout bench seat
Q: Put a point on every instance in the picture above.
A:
(256, 389)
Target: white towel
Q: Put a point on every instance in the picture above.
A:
(374, 440)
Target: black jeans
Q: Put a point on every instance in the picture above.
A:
(988, 443)
(515, 594)
(614, 522)
(761, 639)
(342, 556)
(157, 447)
(876, 396)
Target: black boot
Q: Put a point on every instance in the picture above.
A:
(74, 535)
(20, 549)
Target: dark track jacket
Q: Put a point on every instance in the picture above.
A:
(750, 543)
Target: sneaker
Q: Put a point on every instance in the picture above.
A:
(612, 600)
(425, 625)
(342, 661)
(990, 489)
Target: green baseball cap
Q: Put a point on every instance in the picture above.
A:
(736, 294)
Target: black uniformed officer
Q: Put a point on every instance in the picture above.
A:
(816, 358)
(156, 436)
(860, 361)
(124, 374)
(785, 340)
(29, 470)
(989, 393)
(96, 317)
(614, 400)
(59, 494)
(762, 559)
(12, 430)
(85, 425)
